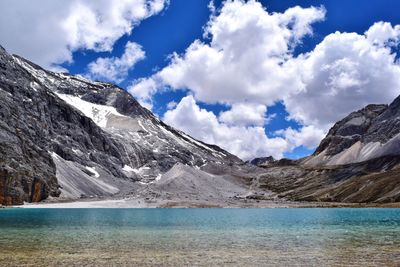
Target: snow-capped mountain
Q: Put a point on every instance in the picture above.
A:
(68, 137)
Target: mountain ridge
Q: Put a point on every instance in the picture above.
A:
(358, 161)
(81, 130)
(66, 138)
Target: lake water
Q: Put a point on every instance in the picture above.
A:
(200, 237)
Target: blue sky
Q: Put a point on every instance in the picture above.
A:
(175, 27)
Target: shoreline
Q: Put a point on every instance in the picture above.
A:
(176, 203)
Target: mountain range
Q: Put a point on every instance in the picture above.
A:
(64, 138)
(358, 161)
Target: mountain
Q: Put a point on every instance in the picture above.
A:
(366, 134)
(358, 161)
(262, 161)
(66, 137)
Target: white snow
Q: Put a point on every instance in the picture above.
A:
(26, 99)
(92, 170)
(141, 125)
(98, 113)
(41, 75)
(128, 168)
(77, 151)
(197, 143)
(83, 79)
(192, 141)
(34, 86)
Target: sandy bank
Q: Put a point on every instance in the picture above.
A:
(144, 203)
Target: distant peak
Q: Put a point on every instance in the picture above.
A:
(3, 50)
(262, 160)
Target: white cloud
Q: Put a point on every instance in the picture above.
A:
(244, 114)
(171, 105)
(345, 72)
(249, 59)
(270, 117)
(143, 90)
(383, 33)
(211, 7)
(114, 68)
(307, 136)
(247, 65)
(246, 60)
(48, 31)
(245, 142)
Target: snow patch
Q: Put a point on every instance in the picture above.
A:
(35, 86)
(128, 168)
(141, 125)
(198, 143)
(98, 113)
(77, 151)
(92, 170)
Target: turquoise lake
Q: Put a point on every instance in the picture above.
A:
(200, 237)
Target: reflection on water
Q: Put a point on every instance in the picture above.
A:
(201, 237)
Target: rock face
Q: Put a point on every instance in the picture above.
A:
(358, 161)
(375, 180)
(262, 161)
(350, 130)
(369, 133)
(67, 137)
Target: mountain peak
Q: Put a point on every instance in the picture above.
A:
(76, 138)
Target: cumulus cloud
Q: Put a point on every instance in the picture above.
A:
(246, 65)
(246, 59)
(345, 72)
(308, 136)
(171, 105)
(143, 89)
(249, 59)
(243, 141)
(383, 33)
(116, 68)
(244, 114)
(47, 31)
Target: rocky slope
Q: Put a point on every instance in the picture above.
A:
(262, 161)
(66, 137)
(376, 180)
(358, 161)
(369, 133)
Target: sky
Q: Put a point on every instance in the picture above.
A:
(257, 78)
